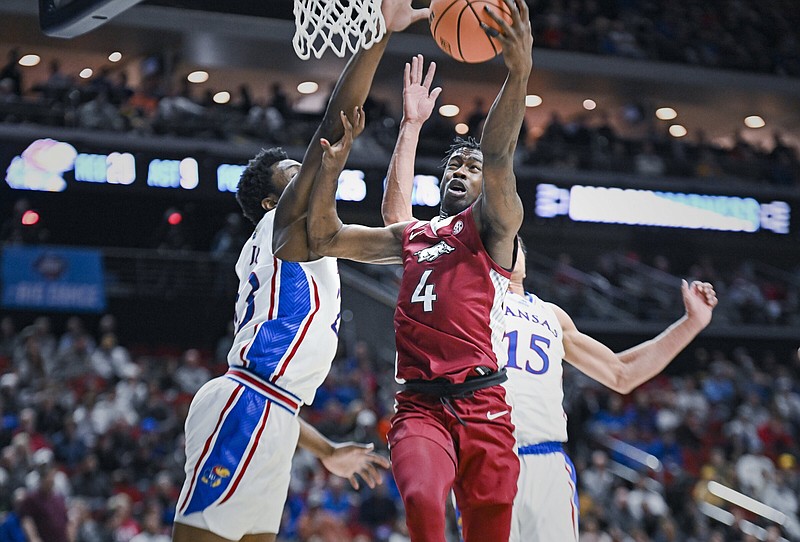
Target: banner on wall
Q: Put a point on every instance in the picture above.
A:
(53, 278)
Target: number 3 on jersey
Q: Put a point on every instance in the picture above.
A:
(534, 345)
(423, 293)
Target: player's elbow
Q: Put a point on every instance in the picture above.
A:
(321, 240)
(622, 382)
(319, 244)
(391, 217)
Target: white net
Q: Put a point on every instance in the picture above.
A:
(340, 25)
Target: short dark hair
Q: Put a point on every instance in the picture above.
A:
(458, 144)
(255, 184)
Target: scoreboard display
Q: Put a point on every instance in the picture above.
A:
(145, 167)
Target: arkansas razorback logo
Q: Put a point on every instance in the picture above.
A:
(431, 253)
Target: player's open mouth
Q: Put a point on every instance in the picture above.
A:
(457, 187)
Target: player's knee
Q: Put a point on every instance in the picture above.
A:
(421, 498)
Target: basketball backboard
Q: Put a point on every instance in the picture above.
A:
(71, 18)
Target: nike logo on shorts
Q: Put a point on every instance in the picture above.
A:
(414, 234)
(495, 415)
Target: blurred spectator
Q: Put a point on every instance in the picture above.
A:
(597, 481)
(74, 365)
(279, 101)
(318, 525)
(120, 92)
(83, 527)
(8, 338)
(122, 524)
(230, 238)
(43, 511)
(11, 72)
(11, 525)
(57, 85)
(75, 331)
(179, 105)
(91, 482)
(648, 162)
(644, 503)
(378, 511)
(191, 375)
(152, 529)
(110, 359)
(100, 114)
(476, 116)
(68, 445)
(242, 100)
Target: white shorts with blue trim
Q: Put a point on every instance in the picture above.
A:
(546, 505)
(241, 434)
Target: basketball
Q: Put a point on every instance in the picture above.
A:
(455, 25)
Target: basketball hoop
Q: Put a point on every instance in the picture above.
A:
(340, 25)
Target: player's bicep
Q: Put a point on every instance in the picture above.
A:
(587, 354)
(289, 238)
(501, 205)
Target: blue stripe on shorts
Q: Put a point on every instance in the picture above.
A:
(218, 469)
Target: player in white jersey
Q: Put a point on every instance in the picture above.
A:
(539, 336)
(242, 428)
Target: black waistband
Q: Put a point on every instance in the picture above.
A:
(444, 388)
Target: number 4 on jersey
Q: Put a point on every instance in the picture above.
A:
(423, 293)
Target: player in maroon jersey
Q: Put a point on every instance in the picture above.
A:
(452, 427)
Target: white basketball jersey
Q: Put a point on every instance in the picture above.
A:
(287, 316)
(535, 352)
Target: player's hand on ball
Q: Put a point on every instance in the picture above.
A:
(350, 459)
(398, 14)
(699, 298)
(516, 39)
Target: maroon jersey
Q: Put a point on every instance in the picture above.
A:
(449, 316)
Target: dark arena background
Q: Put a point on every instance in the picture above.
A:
(661, 142)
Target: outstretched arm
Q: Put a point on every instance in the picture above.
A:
(418, 103)
(499, 209)
(344, 459)
(289, 239)
(625, 371)
(327, 236)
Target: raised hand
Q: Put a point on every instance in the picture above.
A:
(350, 458)
(517, 39)
(335, 155)
(418, 98)
(699, 298)
(399, 14)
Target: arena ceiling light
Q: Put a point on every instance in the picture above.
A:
(29, 60)
(307, 87)
(198, 76)
(677, 130)
(116, 56)
(85, 73)
(449, 110)
(222, 97)
(462, 129)
(666, 113)
(589, 104)
(754, 121)
(533, 100)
